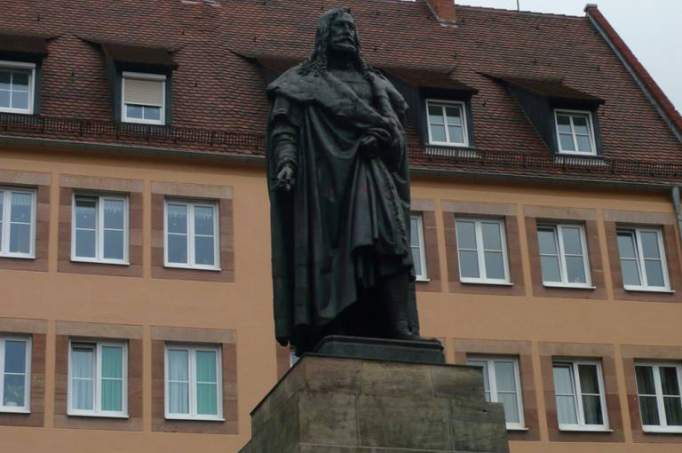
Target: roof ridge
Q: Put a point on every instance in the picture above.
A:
(521, 12)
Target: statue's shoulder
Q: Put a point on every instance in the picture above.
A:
(292, 83)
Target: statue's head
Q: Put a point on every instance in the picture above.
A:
(336, 37)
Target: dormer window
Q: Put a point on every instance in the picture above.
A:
(447, 123)
(143, 98)
(575, 132)
(17, 87)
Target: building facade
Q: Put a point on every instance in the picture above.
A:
(136, 302)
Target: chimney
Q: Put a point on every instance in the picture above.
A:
(444, 10)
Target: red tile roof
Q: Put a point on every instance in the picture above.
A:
(218, 88)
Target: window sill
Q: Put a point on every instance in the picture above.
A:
(423, 280)
(194, 419)
(591, 155)
(562, 286)
(143, 122)
(16, 112)
(89, 261)
(18, 257)
(192, 268)
(485, 283)
(521, 429)
(661, 430)
(11, 410)
(634, 289)
(584, 429)
(95, 415)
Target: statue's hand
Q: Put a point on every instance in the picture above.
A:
(286, 179)
(370, 144)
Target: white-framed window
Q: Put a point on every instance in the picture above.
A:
(502, 384)
(482, 251)
(575, 132)
(193, 376)
(98, 379)
(658, 391)
(447, 123)
(17, 87)
(642, 259)
(191, 235)
(15, 374)
(143, 98)
(17, 222)
(580, 398)
(99, 229)
(417, 246)
(563, 255)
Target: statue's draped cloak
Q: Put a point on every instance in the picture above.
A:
(345, 223)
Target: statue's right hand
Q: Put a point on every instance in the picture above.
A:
(286, 177)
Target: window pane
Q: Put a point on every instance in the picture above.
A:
(645, 380)
(20, 81)
(580, 124)
(654, 273)
(178, 395)
(505, 377)
(572, 240)
(589, 382)
(206, 366)
(113, 244)
(650, 244)
(20, 99)
(86, 213)
(563, 379)
(438, 133)
(152, 113)
(207, 385)
(85, 243)
(203, 220)
(134, 111)
(468, 264)
(177, 218)
(492, 235)
(112, 378)
(566, 142)
(592, 408)
(178, 363)
(114, 214)
(416, 259)
(82, 363)
(415, 222)
(21, 207)
(566, 410)
(178, 385)
(207, 399)
(669, 382)
(4, 99)
(550, 269)
(20, 238)
(630, 272)
(466, 235)
(177, 248)
(648, 408)
(547, 241)
(5, 80)
(564, 124)
(494, 265)
(435, 115)
(15, 356)
(584, 143)
(511, 406)
(673, 410)
(14, 390)
(626, 245)
(454, 115)
(112, 362)
(575, 268)
(456, 134)
(112, 395)
(204, 249)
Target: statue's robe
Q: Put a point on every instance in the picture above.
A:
(345, 223)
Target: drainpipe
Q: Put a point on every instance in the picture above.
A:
(678, 209)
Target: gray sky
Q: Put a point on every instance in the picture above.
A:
(651, 28)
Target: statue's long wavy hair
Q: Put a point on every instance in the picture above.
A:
(317, 62)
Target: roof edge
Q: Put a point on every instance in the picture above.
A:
(638, 72)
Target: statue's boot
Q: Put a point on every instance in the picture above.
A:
(396, 297)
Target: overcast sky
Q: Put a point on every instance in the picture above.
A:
(651, 28)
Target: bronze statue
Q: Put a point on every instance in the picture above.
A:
(340, 196)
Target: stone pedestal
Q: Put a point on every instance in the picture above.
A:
(328, 404)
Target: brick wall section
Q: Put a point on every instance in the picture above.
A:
(632, 353)
(601, 353)
(585, 217)
(132, 189)
(522, 351)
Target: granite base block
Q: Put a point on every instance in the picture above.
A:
(345, 405)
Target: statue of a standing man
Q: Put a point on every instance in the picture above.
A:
(340, 196)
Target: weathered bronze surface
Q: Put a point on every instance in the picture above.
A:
(340, 196)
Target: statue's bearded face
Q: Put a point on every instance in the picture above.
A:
(342, 36)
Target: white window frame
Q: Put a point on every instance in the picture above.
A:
(99, 229)
(4, 64)
(423, 277)
(465, 127)
(492, 383)
(26, 408)
(643, 278)
(5, 223)
(480, 250)
(143, 76)
(561, 250)
(580, 411)
(590, 129)
(191, 258)
(192, 375)
(663, 427)
(97, 373)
